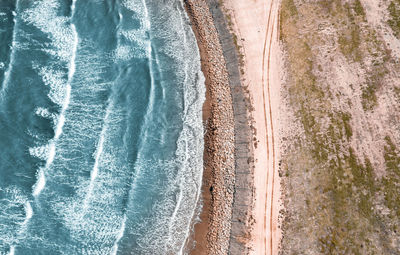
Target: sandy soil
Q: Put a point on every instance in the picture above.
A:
(256, 25)
(377, 15)
(353, 121)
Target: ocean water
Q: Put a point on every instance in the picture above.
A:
(101, 136)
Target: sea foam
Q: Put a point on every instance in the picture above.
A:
(96, 173)
(12, 250)
(64, 41)
(15, 215)
(44, 16)
(13, 48)
(173, 214)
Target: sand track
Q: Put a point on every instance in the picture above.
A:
(256, 25)
(271, 244)
(268, 123)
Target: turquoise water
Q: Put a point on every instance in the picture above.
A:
(101, 137)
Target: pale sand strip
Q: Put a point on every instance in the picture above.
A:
(256, 25)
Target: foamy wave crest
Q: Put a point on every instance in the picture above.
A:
(134, 35)
(119, 236)
(172, 217)
(15, 213)
(57, 82)
(97, 160)
(125, 52)
(8, 71)
(28, 212)
(12, 250)
(41, 152)
(190, 142)
(64, 42)
(41, 181)
(136, 6)
(165, 230)
(45, 113)
(97, 224)
(95, 215)
(136, 41)
(59, 94)
(44, 15)
(155, 237)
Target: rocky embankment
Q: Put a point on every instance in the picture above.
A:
(219, 137)
(228, 177)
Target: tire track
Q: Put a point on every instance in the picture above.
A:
(272, 138)
(266, 127)
(266, 83)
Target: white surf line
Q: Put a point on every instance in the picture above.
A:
(12, 250)
(99, 150)
(28, 216)
(147, 27)
(39, 186)
(187, 232)
(146, 15)
(177, 206)
(8, 71)
(151, 103)
(73, 8)
(119, 236)
(100, 147)
(28, 212)
(23, 226)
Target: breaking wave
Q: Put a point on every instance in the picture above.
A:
(104, 126)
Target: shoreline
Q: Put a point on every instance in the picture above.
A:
(228, 181)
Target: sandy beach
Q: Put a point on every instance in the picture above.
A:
(247, 29)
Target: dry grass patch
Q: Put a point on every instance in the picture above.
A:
(332, 193)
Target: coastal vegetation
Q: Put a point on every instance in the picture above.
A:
(394, 20)
(340, 191)
(239, 50)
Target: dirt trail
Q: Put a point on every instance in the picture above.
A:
(256, 25)
(271, 245)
